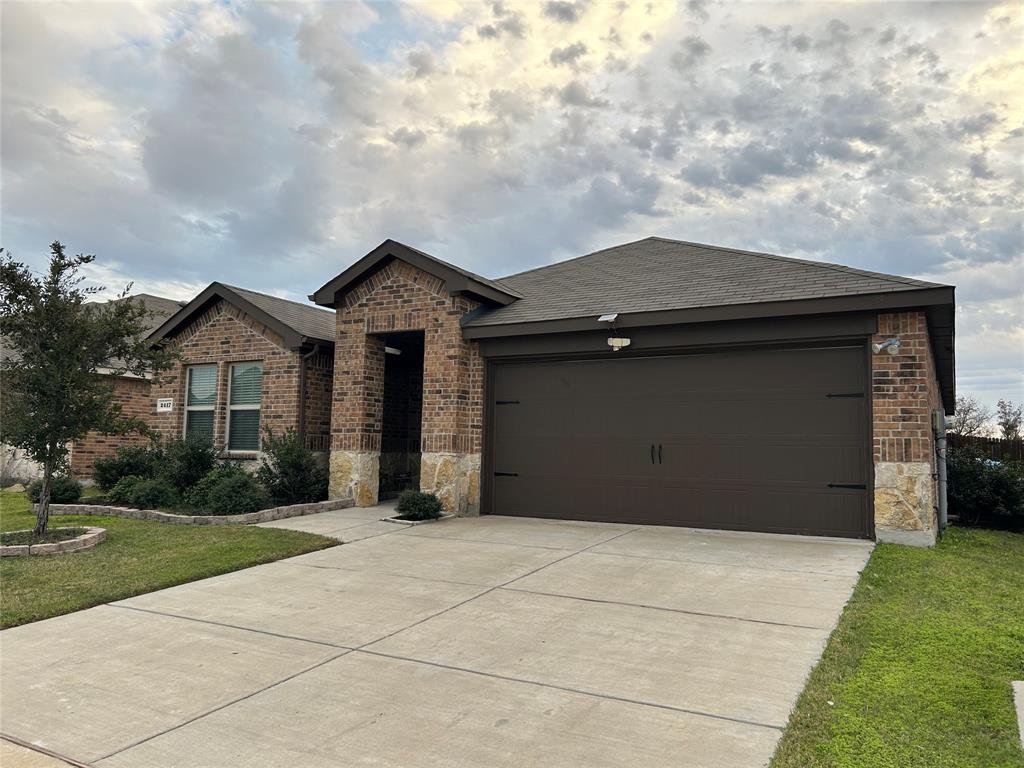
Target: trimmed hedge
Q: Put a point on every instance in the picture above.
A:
(416, 505)
(63, 490)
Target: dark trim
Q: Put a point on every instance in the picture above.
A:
(876, 302)
(455, 280)
(869, 426)
(292, 339)
(701, 335)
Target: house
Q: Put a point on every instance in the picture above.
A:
(131, 392)
(657, 382)
(248, 361)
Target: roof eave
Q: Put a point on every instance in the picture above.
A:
(875, 301)
(455, 282)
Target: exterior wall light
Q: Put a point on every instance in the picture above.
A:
(892, 346)
(615, 341)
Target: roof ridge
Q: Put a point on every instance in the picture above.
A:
(810, 262)
(583, 256)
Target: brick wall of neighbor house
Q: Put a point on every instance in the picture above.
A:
(224, 335)
(399, 297)
(905, 392)
(133, 395)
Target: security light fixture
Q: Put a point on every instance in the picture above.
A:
(616, 342)
(892, 346)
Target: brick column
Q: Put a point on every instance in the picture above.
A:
(357, 413)
(905, 392)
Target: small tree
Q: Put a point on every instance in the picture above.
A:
(1008, 417)
(53, 392)
(971, 418)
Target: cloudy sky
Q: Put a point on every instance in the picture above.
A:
(271, 144)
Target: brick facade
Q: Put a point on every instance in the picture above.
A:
(396, 298)
(905, 393)
(133, 395)
(224, 335)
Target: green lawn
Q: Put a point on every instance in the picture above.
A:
(137, 557)
(918, 672)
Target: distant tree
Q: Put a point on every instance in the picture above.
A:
(1008, 417)
(971, 418)
(53, 392)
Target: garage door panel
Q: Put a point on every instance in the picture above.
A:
(749, 439)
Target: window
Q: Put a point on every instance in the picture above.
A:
(200, 400)
(244, 407)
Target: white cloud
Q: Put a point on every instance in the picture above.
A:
(271, 144)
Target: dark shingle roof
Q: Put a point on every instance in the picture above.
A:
(304, 319)
(660, 274)
(456, 279)
(296, 323)
(158, 307)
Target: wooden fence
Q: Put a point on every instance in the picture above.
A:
(993, 447)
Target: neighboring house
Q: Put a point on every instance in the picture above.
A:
(248, 361)
(749, 396)
(130, 391)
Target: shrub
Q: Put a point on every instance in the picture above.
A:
(198, 495)
(290, 471)
(139, 460)
(153, 494)
(416, 505)
(63, 490)
(186, 462)
(234, 493)
(121, 493)
(983, 489)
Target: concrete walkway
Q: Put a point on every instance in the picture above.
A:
(476, 642)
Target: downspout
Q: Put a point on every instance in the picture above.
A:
(302, 392)
(939, 425)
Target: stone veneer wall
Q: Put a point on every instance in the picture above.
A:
(905, 392)
(224, 335)
(400, 297)
(133, 395)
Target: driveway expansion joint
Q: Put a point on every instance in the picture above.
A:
(219, 707)
(230, 626)
(569, 689)
(663, 608)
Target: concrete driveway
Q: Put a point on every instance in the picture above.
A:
(471, 642)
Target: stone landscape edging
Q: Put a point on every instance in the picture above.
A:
(87, 540)
(156, 516)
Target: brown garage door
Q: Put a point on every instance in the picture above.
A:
(763, 440)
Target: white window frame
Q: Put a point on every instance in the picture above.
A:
(246, 407)
(211, 408)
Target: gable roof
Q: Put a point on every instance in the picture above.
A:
(657, 274)
(296, 323)
(456, 279)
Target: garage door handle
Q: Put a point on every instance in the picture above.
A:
(506, 474)
(659, 453)
(652, 453)
(855, 486)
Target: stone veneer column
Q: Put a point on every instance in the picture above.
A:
(452, 417)
(904, 394)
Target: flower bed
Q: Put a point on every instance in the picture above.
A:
(90, 538)
(155, 515)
